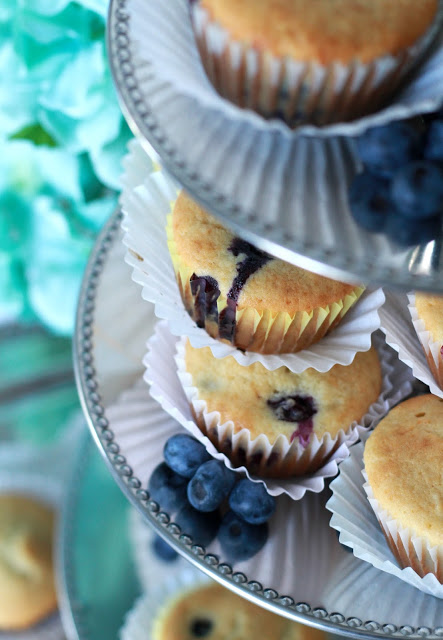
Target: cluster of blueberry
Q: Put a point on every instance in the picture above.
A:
(209, 500)
(400, 191)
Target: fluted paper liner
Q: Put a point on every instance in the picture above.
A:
(167, 55)
(146, 208)
(171, 387)
(246, 165)
(409, 549)
(431, 348)
(355, 517)
(397, 322)
(300, 92)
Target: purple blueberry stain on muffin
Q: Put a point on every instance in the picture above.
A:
(253, 260)
(295, 408)
(206, 292)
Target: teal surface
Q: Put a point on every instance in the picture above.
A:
(37, 389)
(99, 580)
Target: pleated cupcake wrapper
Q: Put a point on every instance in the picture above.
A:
(169, 65)
(300, 92)
(46, 490)
(146, 208)
(409, 549)
(171, 386)
(431, 349)
(140, 621)
(248, 165)
(404, 333)
(357, 516)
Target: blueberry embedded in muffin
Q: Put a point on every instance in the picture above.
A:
(212, 612)
(242, 295)
(277, 423)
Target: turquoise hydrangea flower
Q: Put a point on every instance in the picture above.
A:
(63, 137)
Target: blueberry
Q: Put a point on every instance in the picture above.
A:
(407, 232)
(167, 488)
(164, 550)
(251, 501)
(206, 292)
(292, 408)
(210, 485)
(253, 260)
(386, 148)
(434, 144)
(184, 454)
(369, 201)
(239, 539)
(417, 190)
(201, 627)
(202, 527)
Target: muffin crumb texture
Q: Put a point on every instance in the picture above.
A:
(260, 400)
(404, 463)
(325, 31)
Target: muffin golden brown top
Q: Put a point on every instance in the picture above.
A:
(27, 589)
(404, 462)
(202, 245)
(281, 402)
(430, 310)
(325, 30)
(215, 613)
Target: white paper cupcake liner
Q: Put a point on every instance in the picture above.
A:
(141, 428)
(146, 208)
(148, 565)
(45, 489)
(405, 544)
(288, 188)
(359, 529)
(163, 37)
(139, 621)
(172, 389)
(258, 80)
(401, 335)
(431, 348)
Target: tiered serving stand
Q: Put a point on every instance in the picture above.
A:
(346, 596)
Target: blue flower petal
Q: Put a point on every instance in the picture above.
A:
(56, 266)
(95, 213)
(107, 160)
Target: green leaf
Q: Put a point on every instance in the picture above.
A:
(36, 134)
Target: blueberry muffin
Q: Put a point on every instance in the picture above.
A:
(403, 460)
(429, 310)
(244, 296)
(278, 423)
(302, 60)
(215, 613)
(27, 588)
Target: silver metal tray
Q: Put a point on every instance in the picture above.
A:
(285, 192)
(113, 324)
